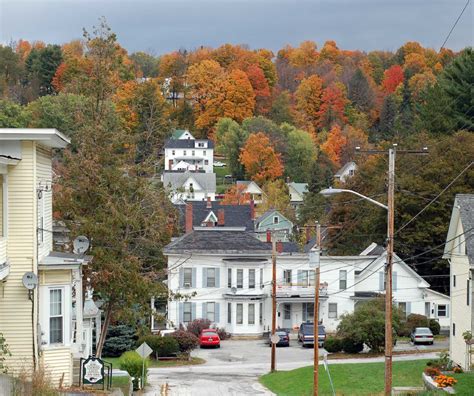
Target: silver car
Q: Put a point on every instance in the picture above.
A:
(422, 335)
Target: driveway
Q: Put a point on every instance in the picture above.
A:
(235, 367)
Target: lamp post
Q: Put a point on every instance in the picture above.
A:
(388, 268)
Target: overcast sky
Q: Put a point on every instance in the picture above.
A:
(160, 26)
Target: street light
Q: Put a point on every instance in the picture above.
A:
(388, 268)
(315, 263)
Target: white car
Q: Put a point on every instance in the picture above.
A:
(219, 164)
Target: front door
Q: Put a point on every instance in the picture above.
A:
(287, 316)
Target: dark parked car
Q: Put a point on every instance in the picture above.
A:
(422, 335)
(306, 334)
(284, 338)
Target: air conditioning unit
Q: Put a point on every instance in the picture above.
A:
(187, 285)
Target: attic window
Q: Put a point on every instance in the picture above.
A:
(276, 220)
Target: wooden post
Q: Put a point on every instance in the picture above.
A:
(273, 362)
(316, 313)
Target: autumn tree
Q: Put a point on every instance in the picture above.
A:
(146, 65)
(41, 65)
(231, 138)
(334, 144)
(332, 107)
(260, 87)
(308, 100)
(392, 78)
(236, 195)
(238, 97)
(276, 195)
(259, 159)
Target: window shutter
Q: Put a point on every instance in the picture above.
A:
(381, 285)
(204, 277)
(447, 310)
(218, 277)
(217, 309)
(408, 308)
(181, 277)
(204, 310)
(181, 312)
(193, 278)
(394, 280)
(193, 311)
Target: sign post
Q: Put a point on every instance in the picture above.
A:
(93, 371)
(144, 351)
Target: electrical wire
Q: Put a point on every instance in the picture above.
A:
(454, 26)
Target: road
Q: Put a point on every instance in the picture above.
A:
(235, 367)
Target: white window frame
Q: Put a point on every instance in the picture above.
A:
(252, 278)
(332, 314)
(287, 274)
(45, 315)
(229, 278)
(445, 310)
(251, 314)
(241, 321)
(208, 277)
(240, 285)
(211, 313)
(276, 220)
(342, 279)
(185, 283)
(190, 305)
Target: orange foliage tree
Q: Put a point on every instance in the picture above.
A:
(332, 107)
(392, 78)
(334, 144)
(260, 87)
(260, 160)
(308, 100)
(236, 195)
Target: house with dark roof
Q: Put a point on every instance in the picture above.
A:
(459, 251)
(185, 153)
(273, 220)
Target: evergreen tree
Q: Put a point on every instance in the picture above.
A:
(41, 65)
(281, 109)
(388, 114)
(360, 92)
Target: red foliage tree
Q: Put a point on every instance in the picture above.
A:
(392, 78)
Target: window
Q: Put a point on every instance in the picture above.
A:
(184, 152)
(187, 312)
(251, 279)
(403, 309)
(56, 316)
(260, 314)
(351, 172)
(251, 314)
(275, 220)
(206, 162)
(240, 313)
(211, 277)
(261, 277)
(173, 152)
(454, 280)
(204, 153)
(427, 309)
(287, 277)
(287, 311)
(342, 280)
(306, 278)
(308, 312)
(229, 312)
(240, 279)
(229, 277)
(442, 311)
(332, 311)
(211, 311)
(193, 153)
(187, 277)
(200, 144)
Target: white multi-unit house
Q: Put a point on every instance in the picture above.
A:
(184, 153)
(190, 186)
(41, 315)
(226, 273)
(459, 250)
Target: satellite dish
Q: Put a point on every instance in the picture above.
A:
(30, 280)
(81, 244)
(233, 290)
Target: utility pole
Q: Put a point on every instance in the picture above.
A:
(316, 260)
(273, 368)
(389, 264)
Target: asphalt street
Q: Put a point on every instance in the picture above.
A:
(235, 367)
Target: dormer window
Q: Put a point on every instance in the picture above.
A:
(193, 153)
(276, 219)
(173, 152)
(184, 152)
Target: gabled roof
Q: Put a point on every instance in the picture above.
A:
(463, 211)
(234, 215)
(268, 213)
(373, 250)
(250, 184)
(187, 144)
(300, 188)
(177, 133)
(176, 180)
(47, 136)
(217, 240)
(345, 168)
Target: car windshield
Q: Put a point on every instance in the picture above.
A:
(281, 333)
(423, 330)
(209, 333)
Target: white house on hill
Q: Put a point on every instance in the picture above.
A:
(459, 250)
(190, 186)
(346, 172)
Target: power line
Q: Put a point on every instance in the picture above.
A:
(455, 23)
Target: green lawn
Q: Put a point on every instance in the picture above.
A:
(348, 379)
(465, 385)
(221, 186)
(159, 363)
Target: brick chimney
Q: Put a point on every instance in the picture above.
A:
(189, 217)
(252, 209)
(269, 236)
(209, 203)
(220, 218)
(279, 247)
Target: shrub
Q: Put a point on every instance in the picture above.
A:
(412, 321)
(187, 341)
(197, 325)
(4, 352)
(366, 325)
(223, 335)
(351, 346)
(333, 344)
(132, 363)
(432, 371)
(434, 326)
(120, 338)
(162, 346)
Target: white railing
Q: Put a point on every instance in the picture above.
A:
(302, 289)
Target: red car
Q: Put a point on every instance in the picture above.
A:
(209, 337)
